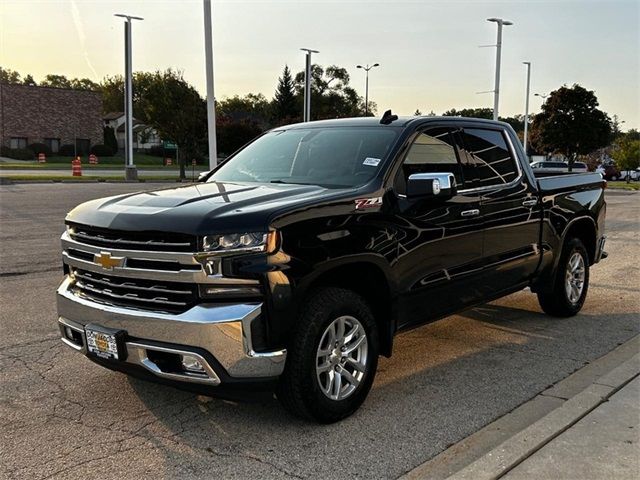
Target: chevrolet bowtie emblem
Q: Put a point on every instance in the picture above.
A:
(106, 261)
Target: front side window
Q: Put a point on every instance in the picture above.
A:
(334, 157)
(431, 152)
(487, 158)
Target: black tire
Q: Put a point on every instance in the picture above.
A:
(299, 388)
(556, 301)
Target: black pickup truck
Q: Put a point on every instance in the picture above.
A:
(293, 264)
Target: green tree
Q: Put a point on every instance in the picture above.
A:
(252, 107)
(166, 102)
(284, 106)
(571, 124)
(56, 81)
(28, 80)
(470, 112)
(417, 113)
(9, 76)
(331, 95)
(109, 139)
(112, 89)
(626, 153)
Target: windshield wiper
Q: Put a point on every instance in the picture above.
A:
(292, 183)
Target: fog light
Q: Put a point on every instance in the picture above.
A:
(192, 364)
(69, 333)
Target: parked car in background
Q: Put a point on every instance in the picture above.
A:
(608, 172)
(632, 174)
(558, 167)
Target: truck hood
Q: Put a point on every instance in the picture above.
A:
(203, 208)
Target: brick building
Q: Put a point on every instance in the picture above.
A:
(54, 116)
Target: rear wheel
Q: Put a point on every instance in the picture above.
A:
(569, 290)
(332, 359)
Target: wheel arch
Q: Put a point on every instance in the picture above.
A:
(370, 281)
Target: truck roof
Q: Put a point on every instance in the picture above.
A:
(403, 121)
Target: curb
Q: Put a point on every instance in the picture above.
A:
(514, 451)
(502, 445)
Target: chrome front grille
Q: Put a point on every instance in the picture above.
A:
(154, 241)
(142, 278)
(145, 294)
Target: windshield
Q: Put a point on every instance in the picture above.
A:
(333, 157)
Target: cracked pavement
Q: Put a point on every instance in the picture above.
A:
(62, 416)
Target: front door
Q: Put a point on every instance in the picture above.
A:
(439, 241)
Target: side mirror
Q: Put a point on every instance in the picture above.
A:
(203, 176)
(431, 185)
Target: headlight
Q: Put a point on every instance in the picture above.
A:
(255, 242)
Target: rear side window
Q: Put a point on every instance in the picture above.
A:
(486, 159)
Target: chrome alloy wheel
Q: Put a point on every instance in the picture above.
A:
(341, 358)
(574, 277)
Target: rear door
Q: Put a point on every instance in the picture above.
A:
(509, 207)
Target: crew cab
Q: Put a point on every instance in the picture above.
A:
(293, 264)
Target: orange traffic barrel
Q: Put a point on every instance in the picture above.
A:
(42, 158)
(76, 167)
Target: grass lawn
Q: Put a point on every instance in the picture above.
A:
(55, 162)
(622, 185)
(102, 178)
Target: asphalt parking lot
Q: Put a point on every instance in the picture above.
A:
(61, 416)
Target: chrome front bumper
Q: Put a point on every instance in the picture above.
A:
(222, 330)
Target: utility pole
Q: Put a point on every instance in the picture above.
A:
(366, 88)
(496, 90)
(526, 108)
(306, 114)
(130, 171)
(211, 100)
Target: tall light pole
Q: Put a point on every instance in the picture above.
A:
(130, 171)
(496, 90)
(366, 88)
(306, 114)
(526, 108)
(211, 100)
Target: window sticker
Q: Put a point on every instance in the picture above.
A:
(371, 162)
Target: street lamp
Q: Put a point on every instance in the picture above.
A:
(496, 90)
(306, 114)
(541, 95)
(130, 172)
(526, 108)
(211, 101)
(366, 89)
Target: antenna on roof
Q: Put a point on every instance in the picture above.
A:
(388, 117)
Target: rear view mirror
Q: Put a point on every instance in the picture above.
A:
(435, 185)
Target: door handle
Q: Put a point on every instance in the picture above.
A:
(529, 203)
(470, 213)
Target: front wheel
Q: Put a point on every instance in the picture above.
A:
(332, 357)
(569, 290)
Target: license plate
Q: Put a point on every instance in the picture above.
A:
(105, 343)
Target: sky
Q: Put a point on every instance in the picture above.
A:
(429, 51)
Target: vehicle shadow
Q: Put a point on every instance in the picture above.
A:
(444, 381)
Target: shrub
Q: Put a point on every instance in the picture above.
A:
(102, 150)
(160, 151)
(17, 153)
(39, 148)
(110, 139)
(67, 150)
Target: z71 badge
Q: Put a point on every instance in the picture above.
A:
(363, 203)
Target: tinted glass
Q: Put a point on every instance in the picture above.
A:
(486, 160)
(332, 157)
(431, 152)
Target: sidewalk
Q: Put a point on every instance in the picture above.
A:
(585, 427)
(604, 444)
